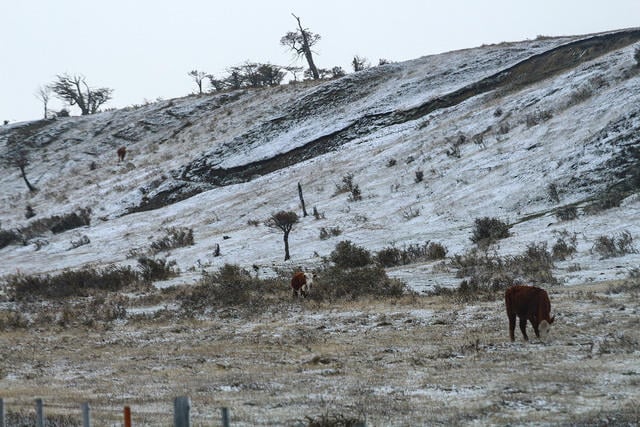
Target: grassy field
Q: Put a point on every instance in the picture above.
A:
(423, 360)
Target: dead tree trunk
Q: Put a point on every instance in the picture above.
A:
(304, 209)
(306, 48)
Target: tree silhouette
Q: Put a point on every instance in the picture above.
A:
(283, 220)
(301, 41)
(75, 91)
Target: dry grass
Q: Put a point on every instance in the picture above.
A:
(411, 361)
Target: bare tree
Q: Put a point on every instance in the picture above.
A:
(198, 77)
(44, 94)
(283, 220)
(75, 91)
(301, 41)
(360, 63)
(18, 156)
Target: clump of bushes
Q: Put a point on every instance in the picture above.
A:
(55, 224)
(567, 213)
(429, 251)
(233, 286)
(487, 273)
(326, 233)
(564, 247)
(617, 245)
(156, 269)
(175, 237)
(336, 283)
(70, 283)
(8, 237)
(348, 255)
(488, 230)
(348, 186)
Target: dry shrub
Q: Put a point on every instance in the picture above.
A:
(71, 283)
(156, 269)
(176, 237)
(485, 273)
(348, 255)
(429, 251)
(233, 286)
(488, 230)
(335, 420)
(336, 283)
(617, 245)
(8, 237)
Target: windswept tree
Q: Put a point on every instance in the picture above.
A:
(301, 41)
(283, 220)
(360, 63)
(44, 95)
(198, 77)
(18, 156)
(74, 90)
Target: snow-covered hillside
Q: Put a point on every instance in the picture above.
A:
(489, 128)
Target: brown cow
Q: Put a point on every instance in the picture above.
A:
(122, 151)
(528, 303)
(301, 283)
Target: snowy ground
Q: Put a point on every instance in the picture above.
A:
(422, 361)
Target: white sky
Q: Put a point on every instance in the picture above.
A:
(143, 49)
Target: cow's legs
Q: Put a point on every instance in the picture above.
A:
(523, 328)
(512, 325)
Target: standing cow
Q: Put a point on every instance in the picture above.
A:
(122, 151)
(301, 283)
(528, 303)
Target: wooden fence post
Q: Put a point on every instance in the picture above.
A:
(39, 413)
(127, 416)
(225, 417)
(2, 421)
(181, 407)
(86, 415)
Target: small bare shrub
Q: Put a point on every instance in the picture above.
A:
(83, 240)
(29, 212)
(552, 192)
(567, 213)
(176, 237)
(419, 176)
(8, 237)
(537, 117)
(609, 247)
(156, 269)
(429, 251)
(391, 162)
(488, 230)
(564, 247)
(410, 213)
(254, 222)
(330, 232)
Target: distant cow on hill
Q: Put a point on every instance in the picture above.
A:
(301, 283)
(122, 151)
(528, 303)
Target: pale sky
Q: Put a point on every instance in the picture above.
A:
(144, 49)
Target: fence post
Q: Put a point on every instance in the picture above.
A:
(127, 416)
(2, 423)
(39, 413)
(225, 417)
(181, 407)
(86, 415)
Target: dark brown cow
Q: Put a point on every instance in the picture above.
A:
(528, 303)
(122, 151)
(301, 283)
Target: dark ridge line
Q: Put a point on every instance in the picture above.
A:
(510, 78)
(531, 70)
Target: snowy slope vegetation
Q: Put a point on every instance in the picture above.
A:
(515, 131)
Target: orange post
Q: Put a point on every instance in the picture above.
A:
(127, 416)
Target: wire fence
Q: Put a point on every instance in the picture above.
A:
(35, 414)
